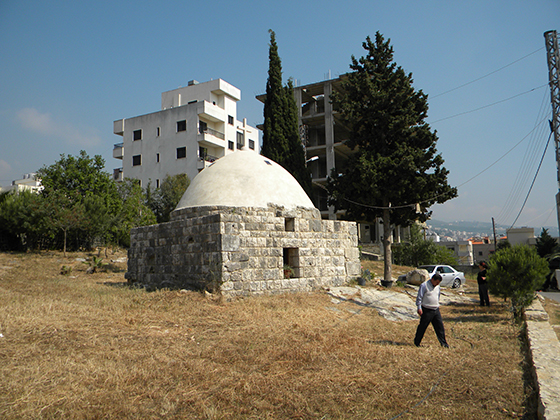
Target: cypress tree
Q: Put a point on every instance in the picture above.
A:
(281, 140)
(274, 142)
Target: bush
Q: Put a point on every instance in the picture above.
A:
(422, 251)
(516, 273)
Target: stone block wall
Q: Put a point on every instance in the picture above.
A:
(243, 250)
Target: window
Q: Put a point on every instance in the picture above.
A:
(289, 224)
(202, 127)
(158, 131)
(230, 120)
(157, 157)
(230, 145)
(240, 140)
(157, 183)
(252, 144)
(181, 152)
(137, 135)
(136, 160)
(181, 125)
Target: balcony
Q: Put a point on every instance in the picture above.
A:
(208, 137)
(118, 151)
(205, 161)
(118, 127)
(211, 112)
(118, 174)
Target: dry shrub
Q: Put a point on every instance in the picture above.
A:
(86, 347)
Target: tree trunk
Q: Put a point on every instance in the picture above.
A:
(387, 257)
(65, 242)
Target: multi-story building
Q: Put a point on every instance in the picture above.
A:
(324, 135)
(196, 125)
(28, 182)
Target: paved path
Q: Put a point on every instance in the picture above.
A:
(545, 351)
(551, 295)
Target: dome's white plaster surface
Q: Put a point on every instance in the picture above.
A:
(245, 179)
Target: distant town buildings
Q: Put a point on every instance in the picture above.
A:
(196, 125)
(28, 182)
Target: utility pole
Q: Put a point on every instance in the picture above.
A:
(494, 229)
(553, 58)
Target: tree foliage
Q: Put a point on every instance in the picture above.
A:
(396, 172)
(133, 212)
(163, 200)
(79, 206)
(546, 244)
(516, 273)
(419, 251)
(281, 139)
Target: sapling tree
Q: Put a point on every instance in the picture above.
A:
(516, 273)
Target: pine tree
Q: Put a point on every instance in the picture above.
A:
(516, 273)
(546, 244)
(281, 140)
(396, 173)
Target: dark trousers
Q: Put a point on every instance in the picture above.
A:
(483, 294)
(430, 316)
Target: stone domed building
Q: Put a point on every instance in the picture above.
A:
(239, 226)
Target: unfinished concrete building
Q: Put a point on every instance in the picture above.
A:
(244, 226)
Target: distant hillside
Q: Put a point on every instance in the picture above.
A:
(466, 229)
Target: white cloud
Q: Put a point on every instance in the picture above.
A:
(44, 124)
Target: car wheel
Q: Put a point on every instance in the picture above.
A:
(456, 284)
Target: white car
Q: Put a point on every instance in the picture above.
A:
(449, 276)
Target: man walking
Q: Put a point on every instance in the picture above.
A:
(427, 303)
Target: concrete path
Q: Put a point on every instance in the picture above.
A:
(545, 351)
(551, 295)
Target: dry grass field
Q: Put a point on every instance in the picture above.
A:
(85, 346)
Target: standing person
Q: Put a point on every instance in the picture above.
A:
(482, 284)
(427, 303)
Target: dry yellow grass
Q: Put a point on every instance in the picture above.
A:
(84, 346)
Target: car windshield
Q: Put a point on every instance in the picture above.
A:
(428, 268)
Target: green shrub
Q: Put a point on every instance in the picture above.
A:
(516, 273)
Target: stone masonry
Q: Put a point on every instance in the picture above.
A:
(242, 251)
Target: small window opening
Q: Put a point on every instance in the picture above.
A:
(181, 125)
(291, 259)
(290, 224)
(137, 135)
(181, 152)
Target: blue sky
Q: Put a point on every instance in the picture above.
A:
(68, 69)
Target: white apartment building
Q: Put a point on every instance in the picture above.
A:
(196, 125)
(28, 182)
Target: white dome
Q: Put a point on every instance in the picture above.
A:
(245, 179)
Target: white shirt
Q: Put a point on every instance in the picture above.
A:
(428, 295)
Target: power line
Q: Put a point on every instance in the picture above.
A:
(532, 183)
(529, 161)
(486, 75)
(435, 196)
(488, 106)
